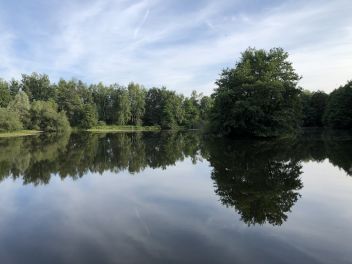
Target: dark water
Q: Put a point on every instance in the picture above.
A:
(175, 198)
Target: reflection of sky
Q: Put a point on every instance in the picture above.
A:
(169, 216)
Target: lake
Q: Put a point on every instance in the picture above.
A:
(175, 198)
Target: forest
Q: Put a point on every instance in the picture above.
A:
(259, 97)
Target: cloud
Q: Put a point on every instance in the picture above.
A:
(183, 46)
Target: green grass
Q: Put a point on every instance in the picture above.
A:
(114, 128)
(18, 133)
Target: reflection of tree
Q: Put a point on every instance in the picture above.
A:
(256, 178)
(35, 159)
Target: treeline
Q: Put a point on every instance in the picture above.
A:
(35, 103)
(260, 97)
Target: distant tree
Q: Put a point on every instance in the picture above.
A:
(172, 113)
(45, 117)
(206, 104)
(259, 97)
(137, 101)
(21, 105)
(191, 107)
(313, 108)
(5, 96)
(121, 105)
(69, 100)
(103, 98)
(88, 117)
(154, 101)
(37, 87)
(9, 120)
(339, 108)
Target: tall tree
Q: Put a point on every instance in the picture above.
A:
(259, 97)
(121, 105)
(137, 101)
(5, 96)
(37, 87)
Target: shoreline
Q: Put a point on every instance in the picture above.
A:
(19, 133)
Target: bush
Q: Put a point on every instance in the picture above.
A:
(45, 117)
(9, 120)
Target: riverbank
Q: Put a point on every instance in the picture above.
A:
(113, 128)
(19, 133)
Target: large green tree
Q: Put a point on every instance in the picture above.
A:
(259, 97)
(37, 87)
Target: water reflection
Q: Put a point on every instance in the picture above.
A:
(258, 179)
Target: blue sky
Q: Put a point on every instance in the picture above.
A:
(181, 44)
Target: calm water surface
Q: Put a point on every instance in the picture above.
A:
(175, 198)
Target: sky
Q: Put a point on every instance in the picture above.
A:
(180, 44)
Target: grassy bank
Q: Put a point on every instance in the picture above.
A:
(18, 133)
(114, 128)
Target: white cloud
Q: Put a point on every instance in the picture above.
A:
(151, 43)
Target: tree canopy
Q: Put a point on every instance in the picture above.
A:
(259, 97)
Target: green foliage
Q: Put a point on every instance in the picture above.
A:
(339, 108)
(164, 108)
(136, 95)
(192, 111)
(21, 105)
(9, 120)
(69, 100)
(45, 117)
(259, 97)
(5, 96)
(37, 87)
(122, 106)
(313, 108)
(89, 117)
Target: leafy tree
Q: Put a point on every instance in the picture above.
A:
(21, 105)
(45, 117)
(172, 113)
(9, 120)
(103, 98)
(37, 87)
(88, 117)
(5, 96)
(339, 108)
(259, 97)
(137, 101)
(313, 108)
(69, 100)
(14, 87)
(206, 104)
(121, 105)
(154, 102)
(192, 110)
